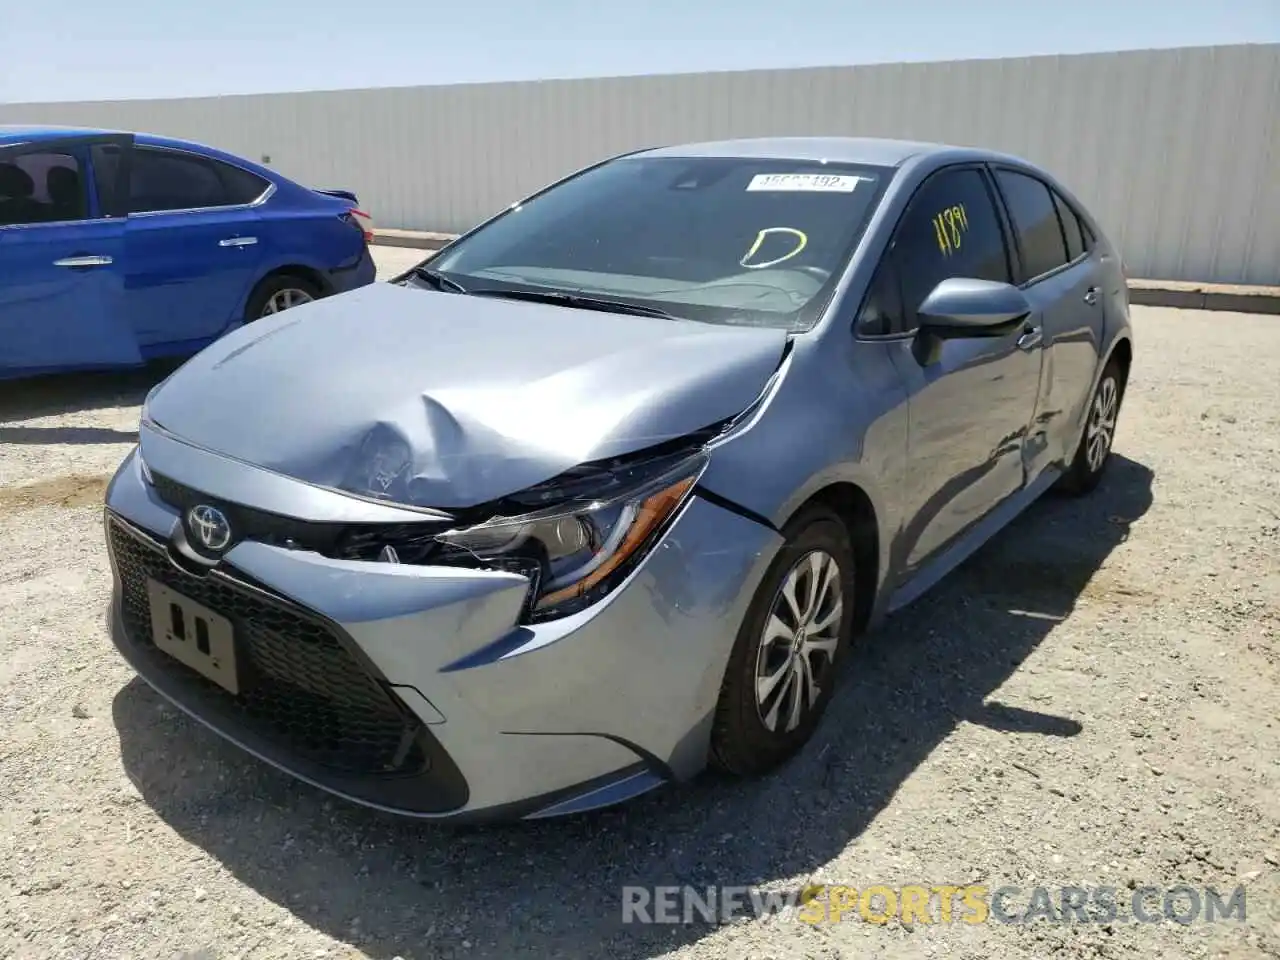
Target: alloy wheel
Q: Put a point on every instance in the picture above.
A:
(799, 643)
(284, 299)
(1102, 423)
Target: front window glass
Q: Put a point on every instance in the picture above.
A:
(951, 229)
(40, 187)
(723, 240)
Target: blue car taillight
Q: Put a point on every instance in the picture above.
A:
(350, 216)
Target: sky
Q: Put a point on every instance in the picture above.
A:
(164, 48)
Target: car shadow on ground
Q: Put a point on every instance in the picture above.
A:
(554, 888)
(65, 393)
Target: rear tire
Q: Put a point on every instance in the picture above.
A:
(277, 293)
(1094, 452)
(792, 643)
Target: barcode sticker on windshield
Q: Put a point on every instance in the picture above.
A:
(808, 182)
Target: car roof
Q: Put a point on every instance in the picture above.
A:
(872, 151)
(19, 133)
(13, 134)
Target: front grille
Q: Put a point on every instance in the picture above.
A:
(300, 686)
(248, 523)
(414, 542)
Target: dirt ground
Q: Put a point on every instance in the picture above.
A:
(1093, 700)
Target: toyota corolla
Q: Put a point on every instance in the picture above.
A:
(603, 491)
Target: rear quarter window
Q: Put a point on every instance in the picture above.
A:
(242, 186)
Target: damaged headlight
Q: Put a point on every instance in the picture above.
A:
(578, 550)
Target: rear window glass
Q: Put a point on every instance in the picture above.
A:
(167, 180)
(1076, 243)
(1036, 219)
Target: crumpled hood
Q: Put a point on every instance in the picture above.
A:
(442, 400)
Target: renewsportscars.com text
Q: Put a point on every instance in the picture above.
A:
(935, 903)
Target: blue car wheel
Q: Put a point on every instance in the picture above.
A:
(277, 293)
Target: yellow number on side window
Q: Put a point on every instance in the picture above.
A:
(950, 226)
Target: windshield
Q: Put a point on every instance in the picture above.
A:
(717, 239)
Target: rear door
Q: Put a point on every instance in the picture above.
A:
(1059, 270)
(192, 245)
(60, 261)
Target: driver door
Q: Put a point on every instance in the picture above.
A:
(61, 248)
(972, 401)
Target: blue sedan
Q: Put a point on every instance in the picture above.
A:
(119, 248)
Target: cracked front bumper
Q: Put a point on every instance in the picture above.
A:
(416, 690)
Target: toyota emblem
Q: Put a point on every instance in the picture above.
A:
(210, 527)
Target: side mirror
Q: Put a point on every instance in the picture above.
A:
(963, 307)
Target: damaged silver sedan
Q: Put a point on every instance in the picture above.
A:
(602, 492)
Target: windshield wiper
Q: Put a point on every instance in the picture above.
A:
(438, 279)
(575, 300)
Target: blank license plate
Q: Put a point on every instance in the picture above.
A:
(194, 634)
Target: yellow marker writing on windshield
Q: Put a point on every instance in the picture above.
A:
(950, 226)
(798, 234)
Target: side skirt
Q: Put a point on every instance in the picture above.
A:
(982, 531)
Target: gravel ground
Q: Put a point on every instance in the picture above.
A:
(1094, 699)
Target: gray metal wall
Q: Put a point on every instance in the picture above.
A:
(1177, 151)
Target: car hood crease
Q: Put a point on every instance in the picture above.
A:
(449, 401)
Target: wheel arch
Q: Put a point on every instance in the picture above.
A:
(1122, 353)
(300, 270)
(856, 510)
(292, 269)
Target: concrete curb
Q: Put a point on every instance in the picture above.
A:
(1205, 296)
(418, 239)
(1148, 293)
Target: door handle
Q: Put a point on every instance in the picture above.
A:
(238, 242)
(1030, 339)
(83, 262)
(1091, 296)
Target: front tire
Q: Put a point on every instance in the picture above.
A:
(1094, 451)
(784, 665)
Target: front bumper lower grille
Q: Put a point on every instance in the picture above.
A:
(301, 688)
